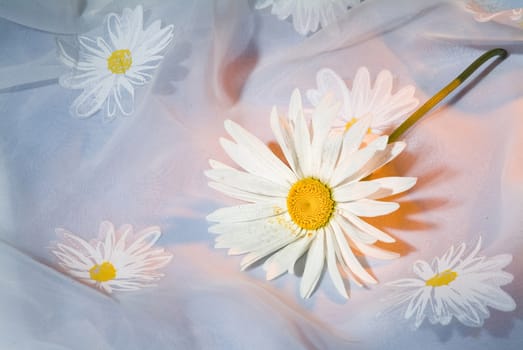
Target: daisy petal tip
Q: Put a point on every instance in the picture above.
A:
(60, 231)
(270, 275)
(390, 239)
(296, 95)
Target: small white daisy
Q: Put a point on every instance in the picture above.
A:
(108, 67)
(458, 286)
(388, 109)
(117, 261)
(481, 12)
(308, 15)
(312, 203)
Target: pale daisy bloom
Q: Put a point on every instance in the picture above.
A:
(311, 202)
(482, 13)
(119, 260)
(308, 15)
(388, 109)
(109, 67)
(456, 285)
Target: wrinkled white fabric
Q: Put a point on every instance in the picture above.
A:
(231, 61)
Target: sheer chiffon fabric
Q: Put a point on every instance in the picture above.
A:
(230, 61)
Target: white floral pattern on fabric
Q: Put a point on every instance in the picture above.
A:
(308, 15)
(457, 286)
(108, 68)
(512, 17)
(313, 204)
(388, 109)
(118, 261)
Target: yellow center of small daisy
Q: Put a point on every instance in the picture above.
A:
(441, 279)
(350, 123)
(120, 61)
(103, 272)
(310, 203)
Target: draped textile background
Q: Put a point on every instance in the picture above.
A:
(230, 61)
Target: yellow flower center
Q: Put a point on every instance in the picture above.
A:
(120, 61)
(102, 273)
(310, 203)
(441, 279)
(350, 123)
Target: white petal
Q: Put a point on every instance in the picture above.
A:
(246, 212)
(259, 150)
(368, 229)
(328, 82)
(124, 96)
(121, 237)
(91, 252)
(145, 240)
(349, 167)
(354, 191)
(360, 91)
(92, 99)
(81, 80)
(313, 265)
(251, 162)
(392, 185)
(262, 252)
(283, 135)
(63, 55)
(332, 266)
(492, 296)
(418, 302)
(353, 232)
(284, 260)
(331, 152)
(254, 237)
(73, 258)
(369, 207)
(354, 136)
(91, 46)
(490, 265)
(382, 88)
(248, 182)
(322, 118)
(239, 194)
(348, 256)
(302, 138)
(406, 283)
(107, 234)
(423, 269)
(375, 252)
(379, 159)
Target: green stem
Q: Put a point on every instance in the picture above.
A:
(434, 100)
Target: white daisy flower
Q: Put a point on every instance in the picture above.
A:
(117, 261)
(458, 286)
(313, 204)
(308, 15)
(108, 68)
(482, 13)
(388, 109)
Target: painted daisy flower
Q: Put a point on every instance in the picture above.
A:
(308, 15)
(456, 285)
(108, 68)
(118, 261)
(312, 203)
(513, 17)
(388, 109)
